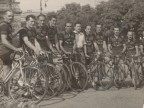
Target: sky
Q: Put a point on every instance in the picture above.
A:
(53, 5)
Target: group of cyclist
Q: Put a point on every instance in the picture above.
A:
(38, 36)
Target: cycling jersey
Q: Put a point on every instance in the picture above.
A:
(117, 44)
(90, 39)
(6, 29)
(52, 32)
(130, 44)
(68, 40)
(100, 38)
(31, 34)
(42, 32)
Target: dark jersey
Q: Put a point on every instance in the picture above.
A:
(130, 44)
(100, 38)
(41, 33)
(30, 34)
(5, 28)
(68, 40)
(90, 39)
(116, 43)
(52, 32)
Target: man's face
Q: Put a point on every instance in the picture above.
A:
(130, 35)
(88, 29)
(41, 21)
(68, 27)
(98, 28)
(31, 22)
(78, 27)
(9, 16)
(116, 31)
(53, 22)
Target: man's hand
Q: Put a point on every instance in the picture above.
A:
(68, 53)
(87, 56)
(37, 52)
(18, 49)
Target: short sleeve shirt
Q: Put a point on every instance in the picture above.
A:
(100, 37)
(68, 39)
(52, 32)
(5, 28)
(116, 43)
(130, 47)
(31, 34)
(90, 39)
(41, 33)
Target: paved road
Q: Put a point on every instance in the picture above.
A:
(113, 98)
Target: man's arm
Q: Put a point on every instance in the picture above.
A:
(105, 46)
(96, 46)
(57, 43)
(137, 50)
(124, 48)
(7, 43)
(49, 44)
(109, 48)
(141, 49)
(29, 44)
(37, 45)
(61, 47)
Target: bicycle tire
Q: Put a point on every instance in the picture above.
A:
(28, 86)
(76, 86)
(53, 75)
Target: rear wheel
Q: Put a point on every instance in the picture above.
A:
(54, 77)
(79, 76)
(33, 84)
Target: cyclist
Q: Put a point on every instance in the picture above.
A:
(42, 32)
(28, 37)
(91, 44)
(131, 50)
(66, 40)
(80, 43)
(6, 47)
(53, 34)
(101, 39)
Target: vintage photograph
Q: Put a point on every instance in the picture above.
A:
(71, 53)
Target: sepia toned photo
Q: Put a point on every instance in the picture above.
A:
(71, 53)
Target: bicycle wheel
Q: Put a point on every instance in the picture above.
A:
(136, 76)
(64, 78)
(79, 76)
(104, 75)
(31, 85)
(118, 74)
(54, 77)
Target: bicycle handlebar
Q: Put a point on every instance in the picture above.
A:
(21, 53)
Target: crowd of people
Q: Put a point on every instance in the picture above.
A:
(37, 36)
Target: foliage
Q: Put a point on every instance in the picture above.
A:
(127, 14)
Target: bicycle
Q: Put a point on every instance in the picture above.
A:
(99, 75)
(77, 76)
(24, 81)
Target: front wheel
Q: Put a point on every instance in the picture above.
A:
(79, 76)
(31, 84)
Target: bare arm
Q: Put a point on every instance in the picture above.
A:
(96, 46)
(37, 45)
(105, 46)
(57, 43)
(109, 48)
(141, 49)
(61, 47)
(29, 44)
(124, 48)
(137, 50)
(49, 44)
(7, 43)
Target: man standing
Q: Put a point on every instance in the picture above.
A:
(6, 47)
(53, 34)
(66, 39)
(80, 43)
(42, 32)
(28, 36)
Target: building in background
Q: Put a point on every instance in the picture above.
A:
(9, 5)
